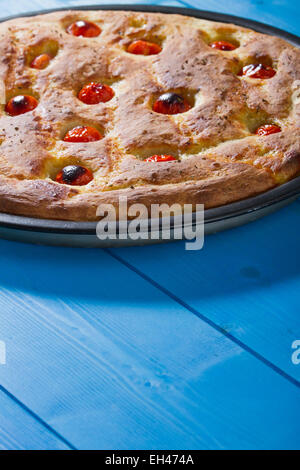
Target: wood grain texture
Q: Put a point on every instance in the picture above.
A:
(110, 362)
(20, 431)
(245, 280)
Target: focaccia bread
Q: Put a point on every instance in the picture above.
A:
(157, 107)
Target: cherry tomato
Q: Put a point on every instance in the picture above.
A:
(223, 46)
(171, 103)
(74, 175)
(84, 28)
(160, 158)
(144, 48)
(83, 134)
(258, 71)
(41, 61)
(268, 129)
(21, 104)
(95, 93)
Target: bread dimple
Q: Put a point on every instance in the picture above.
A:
(220, 159)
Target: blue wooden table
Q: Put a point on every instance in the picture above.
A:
(155, 347)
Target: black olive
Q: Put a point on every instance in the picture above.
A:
(171, 98)
(72, 172)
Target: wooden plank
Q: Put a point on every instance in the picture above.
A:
(20, 431)
(265, 11)
(23, 6)
(110, 362)
(245, 280)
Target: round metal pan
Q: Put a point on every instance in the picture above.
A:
(83, 234)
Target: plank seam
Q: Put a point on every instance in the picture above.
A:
(187, 5)
(202, 317)
(37, 418)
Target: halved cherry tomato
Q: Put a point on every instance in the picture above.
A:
(83, 134)
(160, 158)
(171, 103)
(95, 93)
(84, 28)
(41, 61)
(258, 71)
(268, 129)
(74, 175)
(20, 105)
(144, 48)
(223, 46)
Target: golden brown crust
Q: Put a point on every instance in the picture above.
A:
(221, 160)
